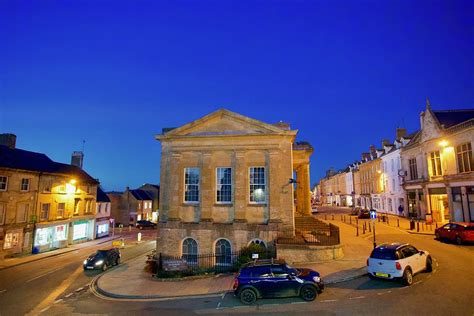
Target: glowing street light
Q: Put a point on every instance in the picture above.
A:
(443, 143)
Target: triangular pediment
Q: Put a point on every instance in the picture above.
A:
(431, 127)
(225, 122)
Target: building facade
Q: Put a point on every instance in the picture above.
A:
(227, 181)
(102, 216)
(439, 168)
(43, 204)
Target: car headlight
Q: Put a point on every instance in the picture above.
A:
(85, 261)
(98, 263)
(316, 279)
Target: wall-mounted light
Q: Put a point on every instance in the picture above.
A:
(443, 143)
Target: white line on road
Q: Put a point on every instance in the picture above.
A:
(57, 301)
(327, 301)
(69, 295)
(79, 289)
(45, 309)
(45, 274)
(298, 303)
(356, 298)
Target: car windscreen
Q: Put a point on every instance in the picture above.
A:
(383, 254)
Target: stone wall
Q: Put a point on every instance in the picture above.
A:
(304, 253)
(172, 234)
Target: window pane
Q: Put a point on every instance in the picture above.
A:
(224, 184)
(191, 184)
(257, 185)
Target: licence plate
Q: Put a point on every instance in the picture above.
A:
(91, 268)
(383, 275)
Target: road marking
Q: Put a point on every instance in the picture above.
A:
(58, 291)
(298, 302)
(79, 289)
(45, 274)
(69, 295)
(417, 282)
(57, 301)
(327, 301)
(356, 298)
(45, 309)
(218, 305)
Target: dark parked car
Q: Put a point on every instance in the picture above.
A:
(457, 232)
(268, 278)
(145, 224)
(364, 214)
(355, 211)
(102, 259)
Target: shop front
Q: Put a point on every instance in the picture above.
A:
(102, 228)
(52, 236)
(82, 230)
(463, 203)
(439, 205)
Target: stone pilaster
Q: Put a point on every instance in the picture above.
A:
(207, 179)
(241, 185)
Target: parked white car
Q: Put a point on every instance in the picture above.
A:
(398, 261)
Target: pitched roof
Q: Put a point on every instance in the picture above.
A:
(449, 118)
(101, 196)
(15, 158)
(141, 194)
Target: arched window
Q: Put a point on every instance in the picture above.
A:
(190, 251)
(258, 242)
(223, 252)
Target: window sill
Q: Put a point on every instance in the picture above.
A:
(256, 204)
(191, 203)
(224, 204)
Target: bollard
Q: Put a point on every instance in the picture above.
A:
(388, 223)
(341, 218)
(344, 218)
(325, 217)
(363, 229)
(129, 228)
(357, 231)
(398, 222)
(436, 225)
(418, 226)
(332, 216)
(350, 220)
(139, 237)
(370, 229)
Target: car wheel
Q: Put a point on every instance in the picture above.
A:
(105, 267)
(458, 240)
(248, 296)
(117, 261)
(407, 277)
(429, 264)
(371, 276)
(308, 293)
(437, 236)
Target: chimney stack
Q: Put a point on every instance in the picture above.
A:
(365, 156)
(8, 140)
(386, 142)
(372, 149)
(401, 132)
(77, 158)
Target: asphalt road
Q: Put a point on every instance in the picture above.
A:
(445, 291)
(31, 288)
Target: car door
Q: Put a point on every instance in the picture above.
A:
(411, 258)
(261, 279)
(285, 285)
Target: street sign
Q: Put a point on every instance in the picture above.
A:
(373, 215)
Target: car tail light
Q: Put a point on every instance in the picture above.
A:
(236, 284)
(398, 265)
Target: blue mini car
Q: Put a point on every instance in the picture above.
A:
(268, 279)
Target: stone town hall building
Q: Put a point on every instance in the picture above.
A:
(227, 181)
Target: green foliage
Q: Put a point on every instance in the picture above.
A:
(246, 254)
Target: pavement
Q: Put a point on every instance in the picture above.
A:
(130, 281)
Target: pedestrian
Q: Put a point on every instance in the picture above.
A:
(400, 210)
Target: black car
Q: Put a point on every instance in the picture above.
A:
(266, 279)
(102, 259)
(145, 224)
(364, 214)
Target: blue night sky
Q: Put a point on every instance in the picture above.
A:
(114, 73)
